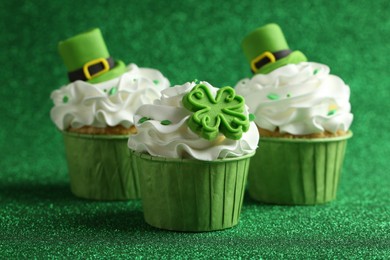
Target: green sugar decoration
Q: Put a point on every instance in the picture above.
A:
(166, 122)
(65, 99)
(252, 117)
(316, 71)
(112, 91)
(213, 115)
(143, 119)
(156, 81)
(288, 95)
(273, 96)
(332, 112)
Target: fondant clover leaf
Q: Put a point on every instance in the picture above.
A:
(222, 114)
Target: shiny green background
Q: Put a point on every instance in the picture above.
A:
(189, 40)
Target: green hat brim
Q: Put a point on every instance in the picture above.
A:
(118, 70)
(293, 58)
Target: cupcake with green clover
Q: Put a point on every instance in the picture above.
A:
(95, 113)
(192, 151)
(303, 114)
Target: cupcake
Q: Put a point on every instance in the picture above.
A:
(95, 113)
(303, 115)
(192, 151)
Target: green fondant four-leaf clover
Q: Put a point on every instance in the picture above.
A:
(222, 114)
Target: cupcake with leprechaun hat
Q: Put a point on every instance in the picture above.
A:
(303, 115)
(192, 151)
(95, 114)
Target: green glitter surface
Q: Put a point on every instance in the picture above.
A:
(40, 218)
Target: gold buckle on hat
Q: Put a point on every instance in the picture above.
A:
(106, 67)
(265, 54)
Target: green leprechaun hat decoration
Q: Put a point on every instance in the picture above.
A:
(266, 49)
(86, 58)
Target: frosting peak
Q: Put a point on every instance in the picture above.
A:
(109, 103)
(298, 99)
(163, 129)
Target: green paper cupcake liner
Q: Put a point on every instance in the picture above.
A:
(297, 171)
(100, 168)
(191, 195)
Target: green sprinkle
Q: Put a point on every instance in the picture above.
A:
(196, 81)
(166, 122)
(112, 91)
(252, 117)
(156, 81)
(316, 71)
(134, 80)
(332, 112)
(65, 99)
(273, 96)
(105, 90)
(289, 95)
(143, 119)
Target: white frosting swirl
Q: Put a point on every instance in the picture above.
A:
(176, 140)
(109, 103)
(298, 99)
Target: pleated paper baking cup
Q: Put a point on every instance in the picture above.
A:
(191, 195)
(100, 168)
(297, 171)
